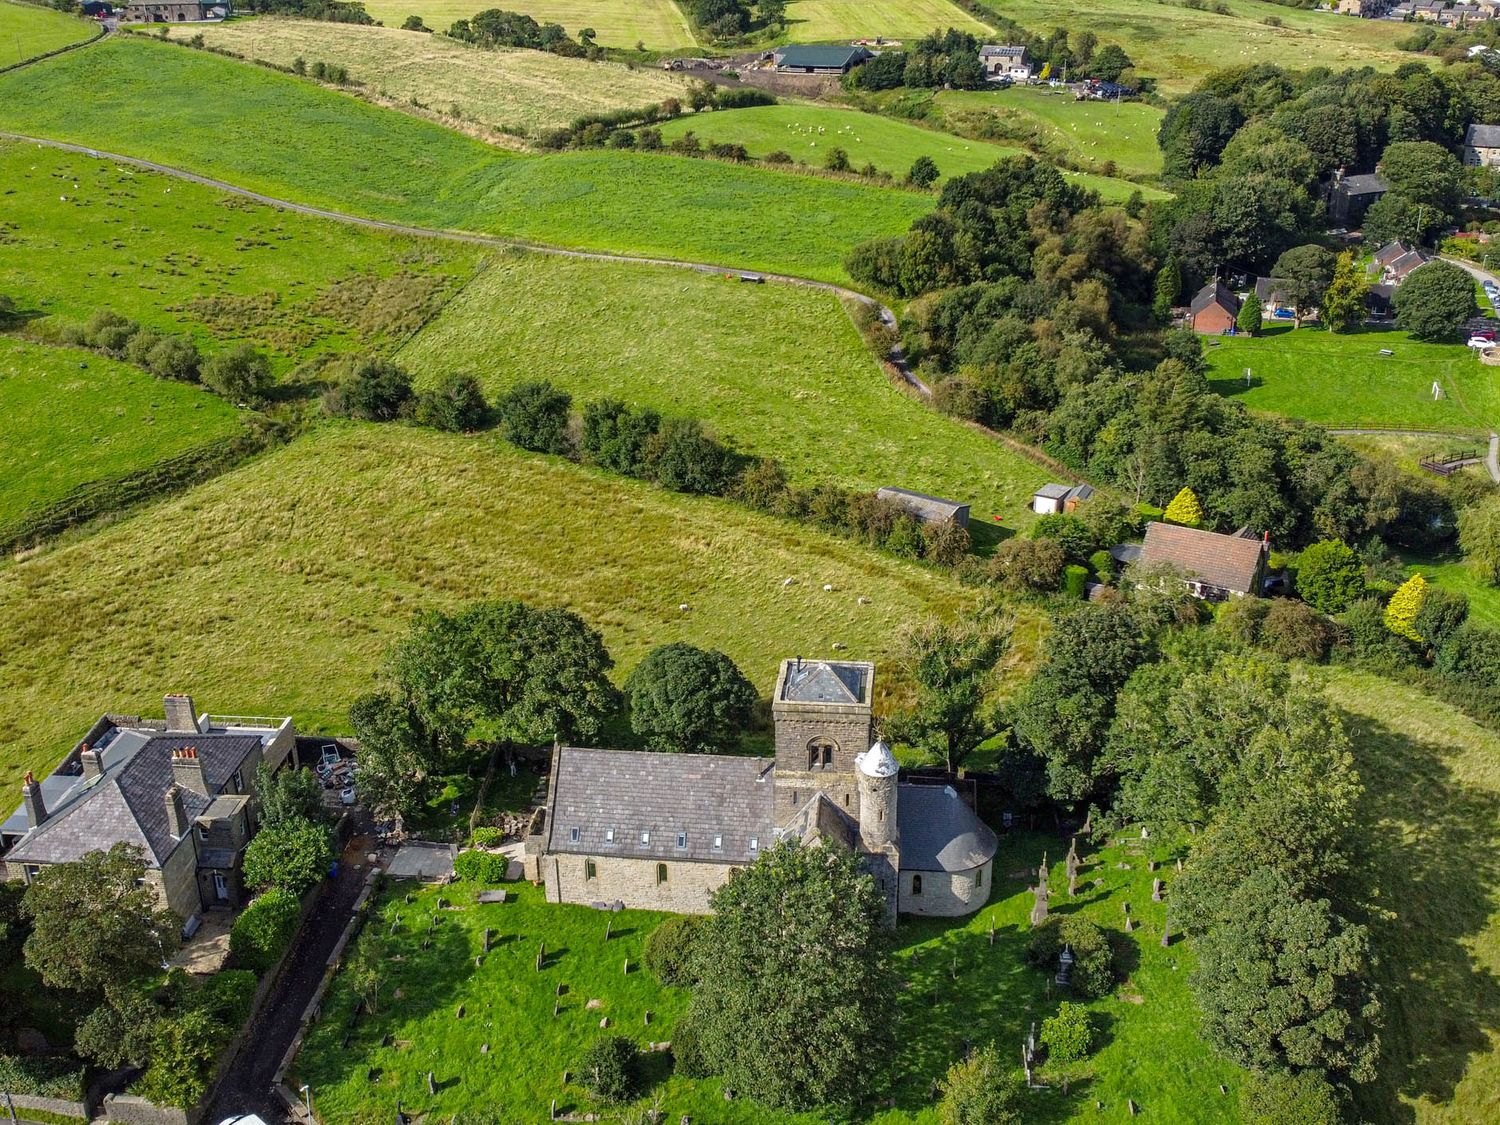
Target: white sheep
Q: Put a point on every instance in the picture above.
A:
(684, 607)
(788, 582)
(827, 588)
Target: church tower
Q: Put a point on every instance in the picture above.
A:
(824, 720)
(877, 769)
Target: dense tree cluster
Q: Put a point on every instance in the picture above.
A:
(950, 58)
(496, 27)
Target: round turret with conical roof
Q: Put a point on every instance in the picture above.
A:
(876, 770)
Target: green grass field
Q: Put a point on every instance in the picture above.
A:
(1177, 45)
(958, 987)
(659, 24)
(503, 89)
(808, 133)
(816, 21)
(73, 417)
(1085, 131)
(27, 31)
(1454, 574)
(1431, 841)
(78, 234)
(779, 370)
(321, 147)
(285, 580)
(1342, 381)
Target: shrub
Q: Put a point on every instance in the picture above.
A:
(648, 139)
(182, 1054)
(762, 485)
(46, 1076)
(1184, 509)
(534, 415)
(486, 836)
(174, 357)
(294, 854)
(1068, 531)
(1278, 1098)
(1019, 565)
(1367, 639)
(687, 1054)
(1405, 604)
(1075, 579)
(683, 457)
(615, 436)
(1093, 959)
(1067, 1035)
(456, 405)
(777, 157)
(375, 391)
(1241, 618)
(837, 160)
(480, 867)
(265, 929)
(1442, 613)
(947, 542)
(980, 1091)
(1330, 577)
(1104, 565)
(611, 1069)
(1249, 319)
(924, 172)
(1472, 652)
(109, 331)
(139, 346)
(227, 996)
(669, 949)
(1293, 631)
(240, 374)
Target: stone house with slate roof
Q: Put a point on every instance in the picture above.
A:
(1482, 146)
(180, 789)
(664, 831)
(1215, 567)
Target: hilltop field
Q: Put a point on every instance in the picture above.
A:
(27, 31)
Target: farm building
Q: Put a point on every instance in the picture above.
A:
(664, 831)
(1004, 62)
(1213, 309)
(820, 60)
(181, 789)
(1059, 499)
(1215, 567)
(1482, 146)
(167, 11)
(928, 509)
(1349, 197)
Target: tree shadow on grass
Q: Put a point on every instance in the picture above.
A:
(1432, 849)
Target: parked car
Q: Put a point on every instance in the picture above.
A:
(1481, 342)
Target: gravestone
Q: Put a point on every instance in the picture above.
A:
(1166, 932)
(479, 960)
(604, 1022)
(626, 969)
(608, 926)
(1073, 885)
(1039, 907)
(1156, 886)
(486, 939)
(1151, 865)
(431, 1084)
(1179, 865)
(460, 1012)
(648, 1019)
(484, 1049)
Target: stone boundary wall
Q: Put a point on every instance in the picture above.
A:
(100, 34)
(49, 1105)
(127, 1109)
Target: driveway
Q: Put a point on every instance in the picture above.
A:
(247, 1086)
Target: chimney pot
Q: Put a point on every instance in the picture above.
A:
(182, 716)
(92, 761)
(187, 770)
(31, 798)
(177, 818)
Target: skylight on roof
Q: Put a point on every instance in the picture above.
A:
(609, 835)
(645, 838)
(573, 835)
(682, 839)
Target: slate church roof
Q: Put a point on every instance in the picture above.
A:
(827, 681)
(939, 832)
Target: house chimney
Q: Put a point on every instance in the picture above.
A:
(93, 761)
(31, 797)
(182, 718)
(187, 770)
(177, 817)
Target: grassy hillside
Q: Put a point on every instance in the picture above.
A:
(27, 31)
(658, 24)
(816, 21)
(1432, 817)
(1343, 381)
(777, 369)
(78, 234)
(276, 587)
(1178, 45)
(808, 133)
(1085, 131)
(318, 146)
(72, 417)
(511, 90)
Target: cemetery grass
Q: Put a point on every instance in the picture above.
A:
(79, 234)
(777, 370)
(27, 31)
(73, 417)
(809, 133)
(511, 90)
(659, 24)
(1054, 121)
(1341, 380)
(287, 578)
(1178, 45)
(320, 147)
(1149, 1050)
(1431, 837)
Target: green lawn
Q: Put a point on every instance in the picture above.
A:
(27, 30)
(778, 370)
(78, 234)
(808, 133)
(275, 588)
(1432, 843)
(1055, 121)
(659, 24)
(322, 147)
(1454, 574)
(960, 988)
(73, 417)
(1342, 381)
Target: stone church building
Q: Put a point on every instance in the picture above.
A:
(663, 831)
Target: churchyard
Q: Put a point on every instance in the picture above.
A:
(962, 984)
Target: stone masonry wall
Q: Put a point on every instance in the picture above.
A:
(947, 895)
(633, 882)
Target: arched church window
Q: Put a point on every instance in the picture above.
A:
(820, 753)
(916, 884)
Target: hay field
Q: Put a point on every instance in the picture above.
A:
(513, 90)
(659, 24)
(816, 21)
(275, 588)
(27, 31)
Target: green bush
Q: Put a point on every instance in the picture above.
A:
(42, 1077)
(262, 933)
(1275, 1098)
(1075, 578)
(1104, 565)
(1068, 531)
(687, 1054)
(294, 854)
(456, 405)
(1093, 959)
(227, 996)
(1067, 1035)
(480, 867)
(611, 1069)
(534, 415)
(669, 950)
(980, 1090)
(1330, 576)
(486, 836)
(182, 1056)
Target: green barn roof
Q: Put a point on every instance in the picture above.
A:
(820, 56)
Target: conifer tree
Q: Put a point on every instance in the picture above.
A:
(1401, 611)
(1185, 509)
(1249, 318)
(1168, 285)
(1343, 308)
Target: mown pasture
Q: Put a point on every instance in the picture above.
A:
(73, 418)
(958, 987)
(778, 370)
(1178, 45)
(321, 147)
(819, 21)
(79, 234)
(27, 30)
(658, 24)
(1342, 380)
(277, 586)
(809, 133)
(502, 89)
(1054, 121)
